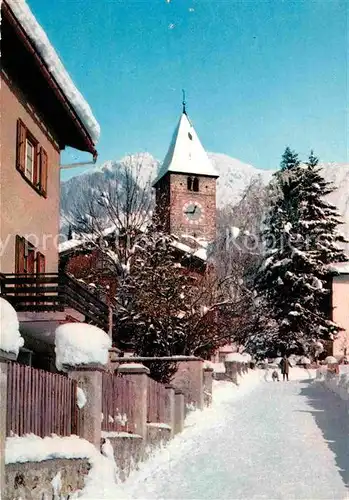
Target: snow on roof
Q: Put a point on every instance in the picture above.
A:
(186, 153)
(42, 44)
(10, 338)
(200, 253)
(85, 238)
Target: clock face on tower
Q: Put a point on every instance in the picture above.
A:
(193, 212)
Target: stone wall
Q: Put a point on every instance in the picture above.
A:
(33, 480)
(128, 452)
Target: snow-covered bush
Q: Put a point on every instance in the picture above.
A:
(81, 344)
(10, 338)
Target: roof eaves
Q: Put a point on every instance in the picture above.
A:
(50, 78)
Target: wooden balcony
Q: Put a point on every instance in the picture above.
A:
(53, 292)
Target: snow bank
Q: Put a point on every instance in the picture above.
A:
(31, 448)
(102, 475)
(337, 383)
(81, 344)
(10, 338)
(295, 373)
(40, 40)
(197, 424)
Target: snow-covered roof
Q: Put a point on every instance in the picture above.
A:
(340, 268)
(186, 154)
(55, 66)
(85, 239)
(200, 251)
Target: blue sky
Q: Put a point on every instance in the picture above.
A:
(259, 75)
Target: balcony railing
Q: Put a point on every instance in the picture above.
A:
(53, 292)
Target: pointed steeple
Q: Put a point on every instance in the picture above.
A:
(184, 104)
(186, 154)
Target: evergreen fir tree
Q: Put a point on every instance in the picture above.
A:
(318, 219)
(289, 160)
(301, 239)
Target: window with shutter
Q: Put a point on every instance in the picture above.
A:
(31, 160)
(30, 260)
(21, 146)
(40, 263)
(43, 171)
(20, 255)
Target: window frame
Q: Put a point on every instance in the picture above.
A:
(196, 184)
(28, 142)
(38, 178)
(28, 259)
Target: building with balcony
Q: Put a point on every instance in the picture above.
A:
(340, 309)
(42, 112)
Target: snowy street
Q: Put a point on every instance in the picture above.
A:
(282, 440)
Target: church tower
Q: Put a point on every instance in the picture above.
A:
(186, 186)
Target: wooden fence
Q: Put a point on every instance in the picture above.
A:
(156, 402)
(118, 403)
(40, 402)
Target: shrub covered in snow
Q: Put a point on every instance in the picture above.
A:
(10, 338)
(81, 344)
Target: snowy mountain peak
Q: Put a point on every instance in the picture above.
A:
(234, 177)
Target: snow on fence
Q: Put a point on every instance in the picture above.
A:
(118, 403)
(40, 402)
(156, 402)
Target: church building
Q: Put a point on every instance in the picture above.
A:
(186, 187)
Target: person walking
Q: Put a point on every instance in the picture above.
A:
(285, 367)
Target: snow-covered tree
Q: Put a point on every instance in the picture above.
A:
(300, 241)
(319, 221)
(112, 218)
(237, 254)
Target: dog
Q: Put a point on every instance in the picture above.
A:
(275, 376)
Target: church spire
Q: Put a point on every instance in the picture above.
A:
(186, 154)
(184, 103)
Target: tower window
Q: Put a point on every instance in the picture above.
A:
(196, 184)
(190, 136)
(190, 183)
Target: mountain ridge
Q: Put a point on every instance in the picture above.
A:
(235, 176)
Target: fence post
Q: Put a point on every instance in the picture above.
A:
(5, 358)
(138, 374)
(89, 379)
(170, 414)
(208, 372)
(189, 378)
(231, 370)
(179, 411)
